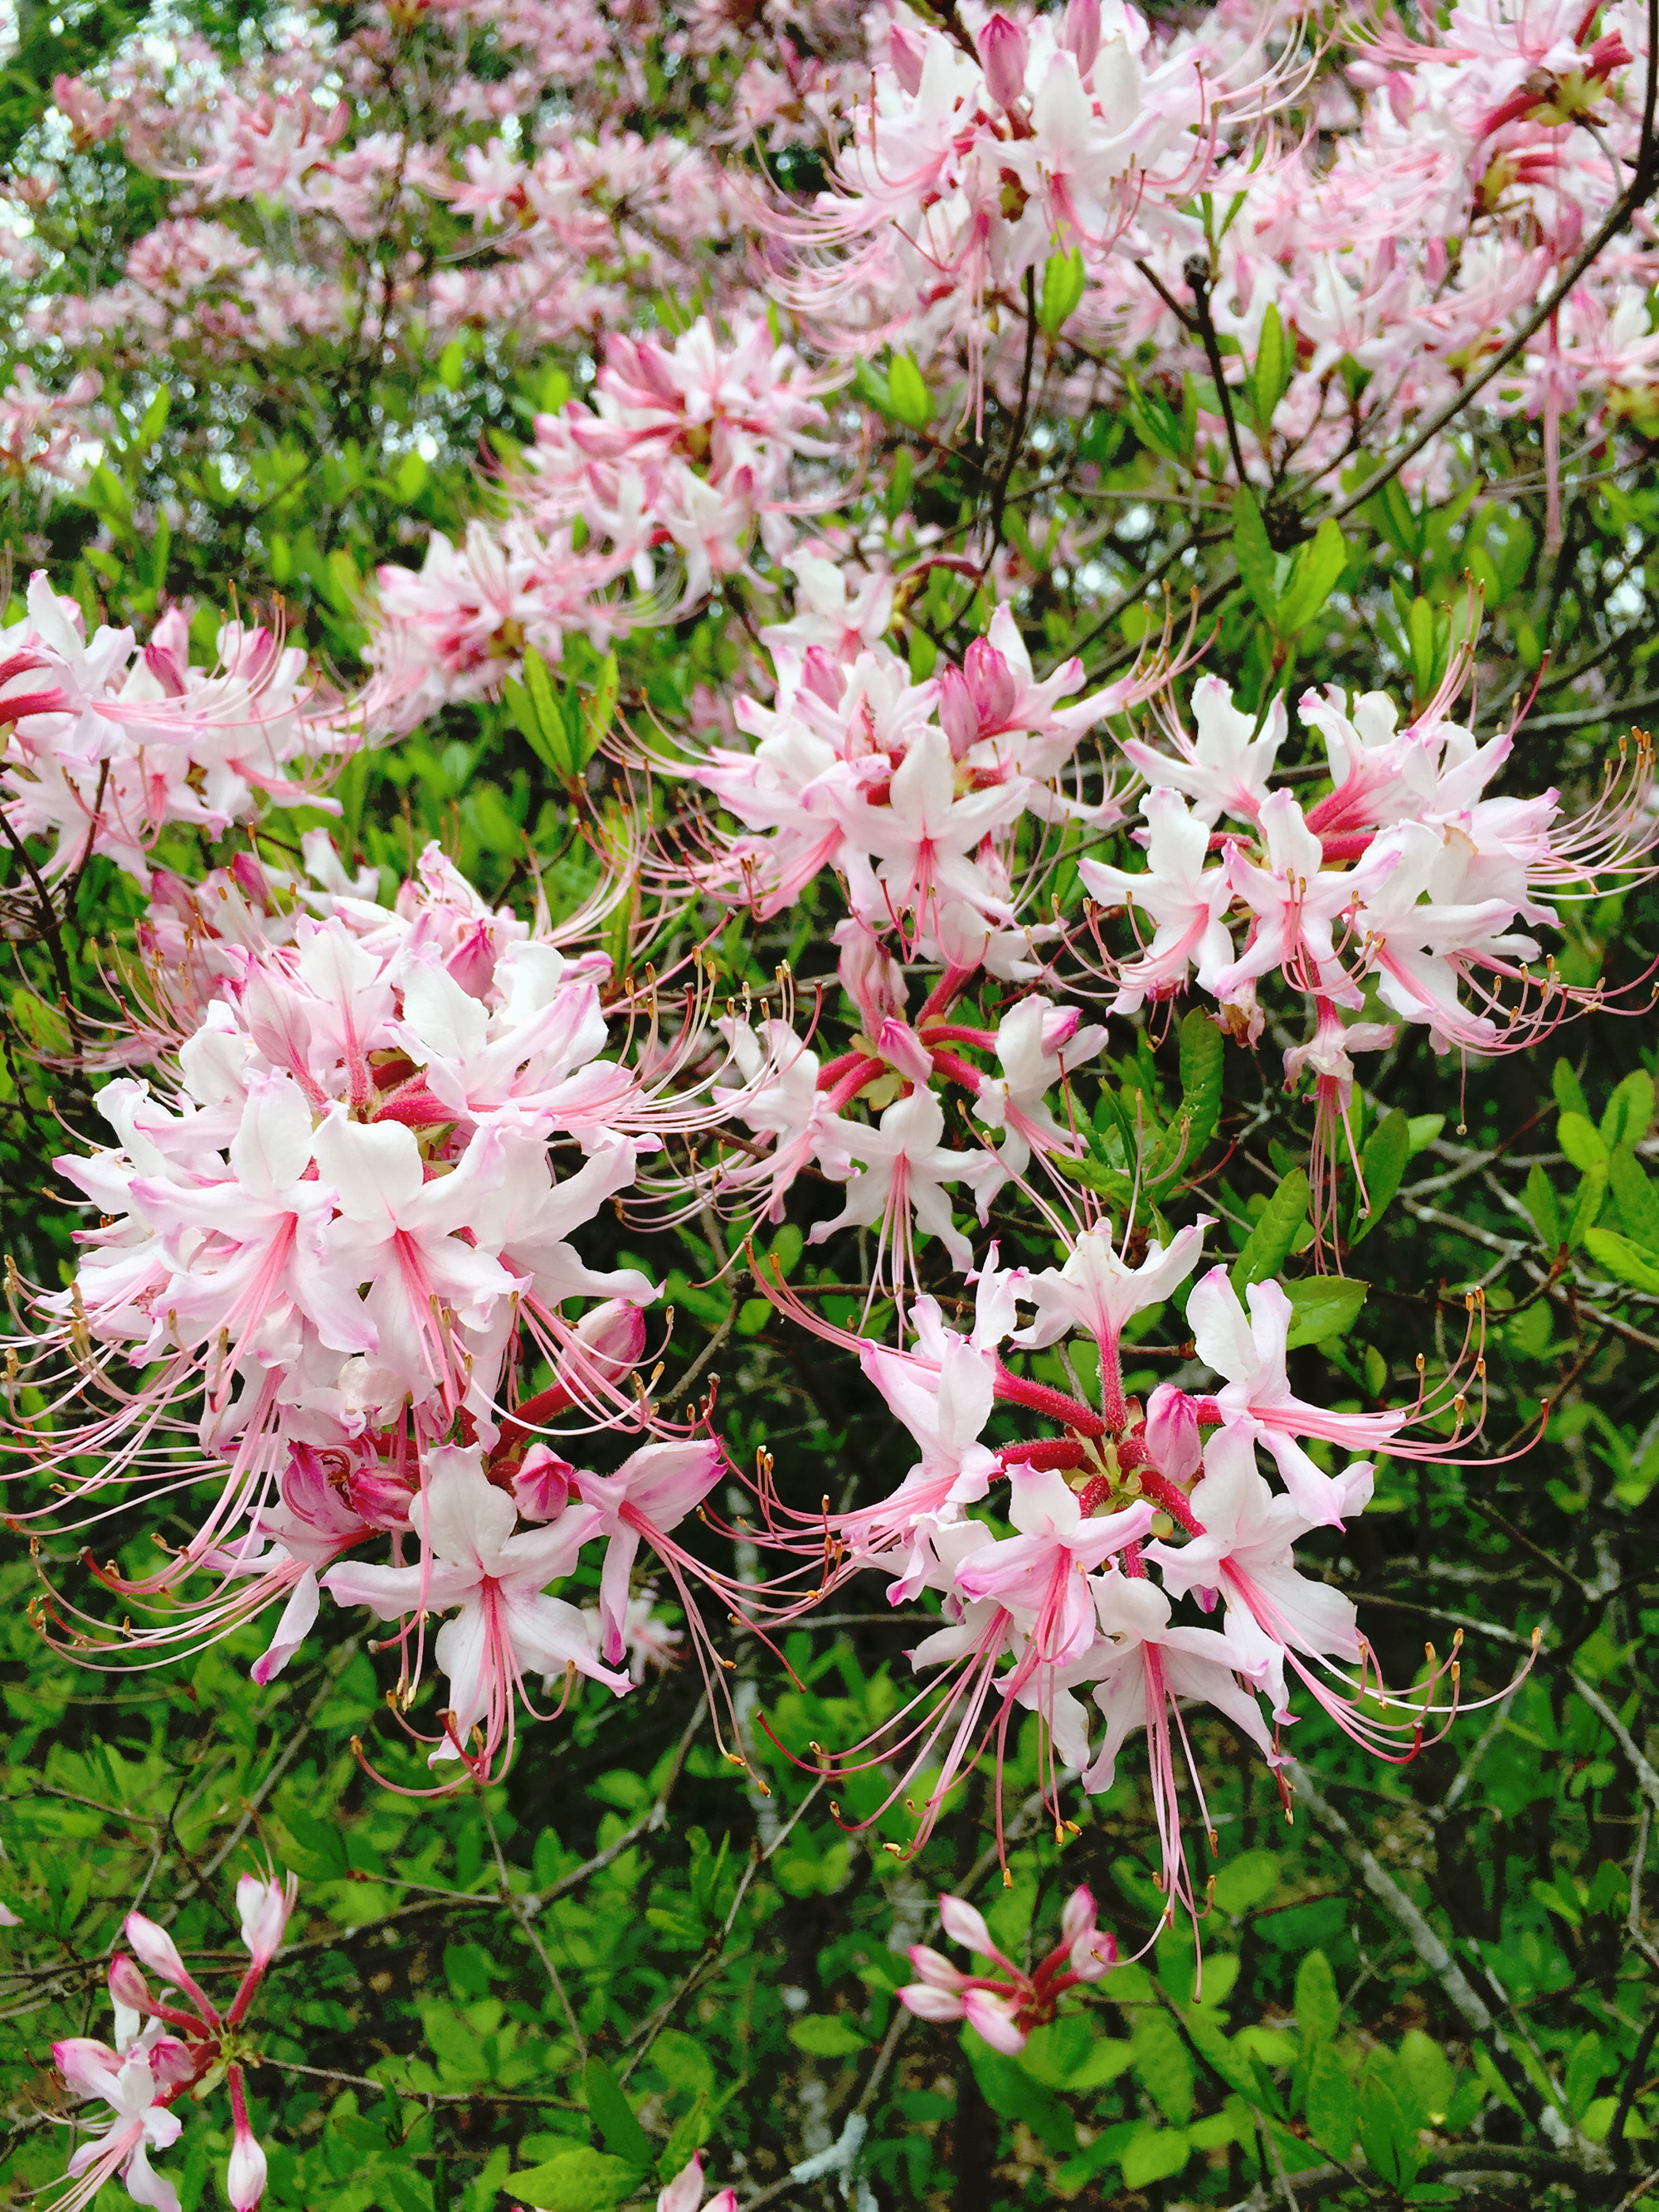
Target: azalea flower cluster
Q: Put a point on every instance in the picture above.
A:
(170, 2043)
(334, 1245)
(1413, 200)
(1120, 1511)
(106, 743)
(683, 454)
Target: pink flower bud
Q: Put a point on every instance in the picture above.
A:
(870, 976)
(993, 2016)
(244, 2173)
(991, 683)
(1172, 1441)
(907, 55)
(472, 963)
(1060, 1026)
(156, 1948)
(901, 1048)
(263, 1907)
(1080, 33)
(963, 1924)
(825, 678)
(612, 1337)
(958, 715)
(542, 1485)
(1002, 57)
(128, 1988)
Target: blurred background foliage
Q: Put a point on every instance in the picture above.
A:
(1436, 1984)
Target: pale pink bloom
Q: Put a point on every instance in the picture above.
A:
(504, 1626)
(1036, 1042)
(1004, 2007)
(903, 1171)
(1039, 1576)
(650, 1493)
(1148, 1669)
(1245, 1553)
(137, 2124)
(1224, 768)
(1096, 1290)
(1186, 901)
(1250, 1353)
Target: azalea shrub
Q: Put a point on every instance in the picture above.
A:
(828, 1105)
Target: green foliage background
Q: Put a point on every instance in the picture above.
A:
(1435, 1972)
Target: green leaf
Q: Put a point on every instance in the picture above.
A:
(1331, 2106)
(1540, 1202)
(1634, 1194)
(1389, 2138)
(1592, 1189)
(1618, 1257)
(1630, 1110)
(613, 2116)
(1270, 378)
(1318, 2009)
(600, 708)
(1063, 280)
(908, 397)
(1268, 1245)
(1569, 1091)
(1155, 2156)
(1202, 1052)
(1383, 1163)
(1249, 1881)
(452, 363)
(411, 479)
(1254, 554)
(1154, 422)
(576, 2181)
(1164, 2065)
(1426, 2075)
(1323, 1306)
(1419, 635)
(1315, 574)
(1425, 1128)
(827, 2035)
(1582, 1141)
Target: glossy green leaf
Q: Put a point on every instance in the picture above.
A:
(1268, 1245)
(1063, 282)
(1383, 1161)
(613, 2116)
(1254, 556)
(1540, 1202)
(1323, 1307)
(1587, 1206)
(1582, 1141)
(908, 393)
(576, 2181)
(1635, 1196)
(1625, 1261)
(1315, 574)
(1155, 2156)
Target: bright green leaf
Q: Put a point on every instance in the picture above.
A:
(1582, 1141)
(1268, 1245)
(1322, 1306)
(1063, 280)
(1617, 1256)
(827, 2035)
(1315, 574)
(908, 393)
(613, 2116)
(1154, 2156)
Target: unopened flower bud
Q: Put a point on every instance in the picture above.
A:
(263, 1907)
(1172, 1441)
(245, 2172)
(958, 716)
(541, 1488)
(1002, 57)
(1080, 33)
(901, 1048)
(991, 681)
(825, 678)
(128, 1988)
(907, 55)
(156, 1948)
